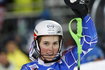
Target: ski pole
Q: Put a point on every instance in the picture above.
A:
(77, 36)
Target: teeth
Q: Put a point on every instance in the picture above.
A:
(72, 1)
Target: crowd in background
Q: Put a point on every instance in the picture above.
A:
(18, 19)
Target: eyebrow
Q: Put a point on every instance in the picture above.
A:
(48, 41)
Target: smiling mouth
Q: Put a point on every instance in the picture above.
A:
(49, 56)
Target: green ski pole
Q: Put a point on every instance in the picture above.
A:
(77, 37)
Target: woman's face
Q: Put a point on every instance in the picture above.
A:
(49, 46)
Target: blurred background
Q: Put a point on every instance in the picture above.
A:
(19, 17)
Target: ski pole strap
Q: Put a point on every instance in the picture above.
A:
(77, 36)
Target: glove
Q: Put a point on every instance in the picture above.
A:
(79, 7)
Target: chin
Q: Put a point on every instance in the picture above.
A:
(49, 59)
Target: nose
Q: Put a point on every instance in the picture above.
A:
(51, 50)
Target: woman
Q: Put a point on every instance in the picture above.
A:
(46, 48)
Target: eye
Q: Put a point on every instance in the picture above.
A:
(56, 43)
(46, 43)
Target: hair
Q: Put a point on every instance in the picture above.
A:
(3, 50)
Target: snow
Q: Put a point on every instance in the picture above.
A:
(97, 65)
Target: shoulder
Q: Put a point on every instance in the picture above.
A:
(29, 66)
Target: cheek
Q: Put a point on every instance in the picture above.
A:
(43, 50)
(55, 50)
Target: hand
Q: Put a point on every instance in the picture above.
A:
(80, 7)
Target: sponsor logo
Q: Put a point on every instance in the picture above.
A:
(50, 26)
